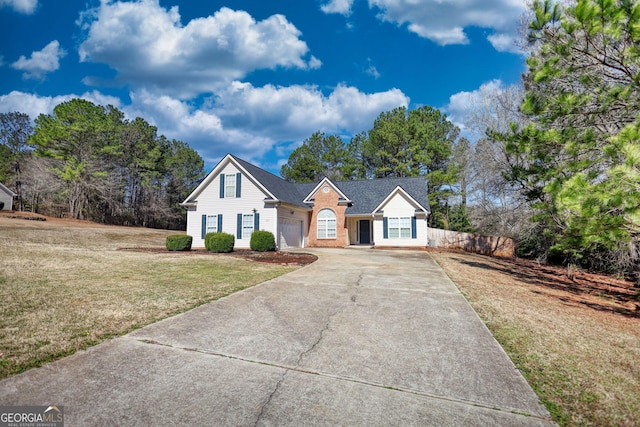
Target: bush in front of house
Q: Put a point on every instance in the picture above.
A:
(219, 242)
(178, 242)
(262, 241)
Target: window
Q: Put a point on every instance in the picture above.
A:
(326, 224)
(212, 224)
(399, 228)
(247, 226)
(230, 185)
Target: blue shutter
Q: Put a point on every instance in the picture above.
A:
(204, 225)
(414, 231)
(219, 223)
(385, 227)
(238, 184)
(256, 221)
(239, 230)
(222, 186)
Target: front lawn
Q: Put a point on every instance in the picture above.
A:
(65, 285)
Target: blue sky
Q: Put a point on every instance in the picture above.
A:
(255, 78)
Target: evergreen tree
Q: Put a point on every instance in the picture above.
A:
(319, 156)
(578, 161)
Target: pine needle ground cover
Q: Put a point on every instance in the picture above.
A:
(575, 337)
(65, 285)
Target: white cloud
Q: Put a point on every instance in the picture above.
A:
(504, 42)
(444, 21)
(34, 105)
(22, 6)
(245, 120)
(41, 62)
(294, 112)
(342, 7)
(251, 121)
(372, 70)
(150, 48)
(493, 105)
(463, 103)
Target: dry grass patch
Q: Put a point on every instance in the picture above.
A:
(65, 286)
(577, 341)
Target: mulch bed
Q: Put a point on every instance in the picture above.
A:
(23, 215)
(282, 258)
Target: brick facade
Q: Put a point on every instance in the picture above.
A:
(324, 200)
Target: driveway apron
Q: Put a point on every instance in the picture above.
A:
(360, 337)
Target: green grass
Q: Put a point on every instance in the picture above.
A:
(67, 287)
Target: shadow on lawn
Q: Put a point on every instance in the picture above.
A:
(597, 292)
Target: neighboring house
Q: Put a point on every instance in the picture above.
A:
(6, 197)
(238, 198)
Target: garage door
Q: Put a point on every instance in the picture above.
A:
(290, 233)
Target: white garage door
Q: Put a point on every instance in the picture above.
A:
(290, 233)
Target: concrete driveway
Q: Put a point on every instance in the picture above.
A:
(360, 337)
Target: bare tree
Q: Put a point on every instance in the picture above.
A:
(495, 205)
(41, 186)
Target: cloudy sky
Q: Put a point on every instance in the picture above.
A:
(255, 78)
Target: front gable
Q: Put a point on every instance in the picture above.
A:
(400, 202)
(328, 225)
(326, 186)
(226, 180)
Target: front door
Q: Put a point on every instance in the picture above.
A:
(365, 232)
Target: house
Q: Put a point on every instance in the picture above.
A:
(238, 197)
(6, 198)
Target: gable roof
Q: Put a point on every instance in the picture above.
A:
(281, 189)
(368, 195)
(364, 197)
(274, 187)
(326, 181)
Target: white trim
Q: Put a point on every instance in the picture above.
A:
(6, 190)
(208, 226)
(326, 181)
(251, 226)
(326, 222)
(215, 172)
(399, 189)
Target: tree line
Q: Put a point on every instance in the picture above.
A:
(557, 165)
(401, 143)
(87, 161)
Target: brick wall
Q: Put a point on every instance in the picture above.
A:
(328, 200)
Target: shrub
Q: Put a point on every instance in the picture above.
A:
(179, 242)
(219, 242)
(262, 241)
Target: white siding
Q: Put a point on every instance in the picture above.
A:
(210, 203)
(399, 206)
(7, 199)
(288, 212)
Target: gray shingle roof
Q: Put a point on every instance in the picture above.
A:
(366, 195)
(283, 190)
